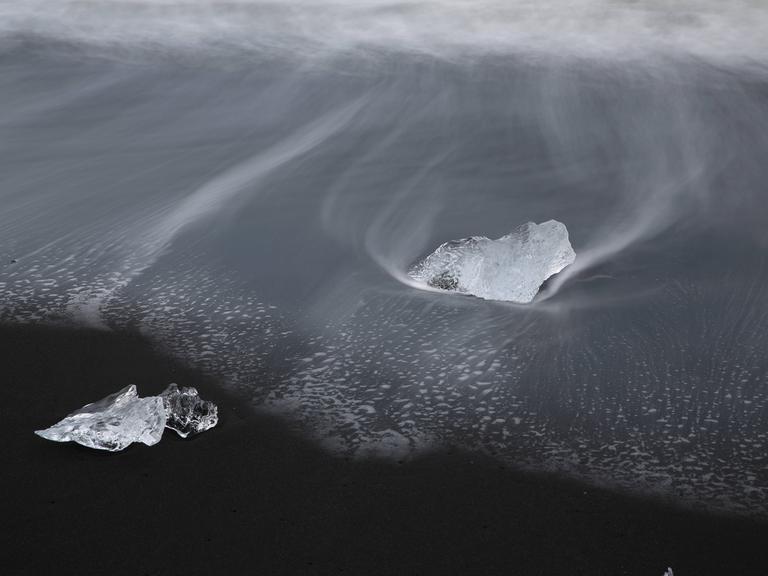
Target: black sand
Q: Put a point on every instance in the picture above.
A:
(250, 497)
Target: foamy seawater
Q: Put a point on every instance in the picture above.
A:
(248, 183)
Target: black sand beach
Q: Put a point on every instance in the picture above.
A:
(251, 497)
(250, 185)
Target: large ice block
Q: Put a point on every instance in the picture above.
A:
(511, 268)
(113, 422)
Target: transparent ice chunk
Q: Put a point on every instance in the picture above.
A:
(187, 412)
(113, 422)
(511, 268)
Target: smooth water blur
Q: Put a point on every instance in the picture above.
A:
(254, 210)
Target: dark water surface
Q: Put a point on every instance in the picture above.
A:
(262, 211)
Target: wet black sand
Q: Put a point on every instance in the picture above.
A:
(251, 497)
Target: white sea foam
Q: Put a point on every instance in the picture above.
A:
(720, 31)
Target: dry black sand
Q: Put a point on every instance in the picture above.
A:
(250, 497)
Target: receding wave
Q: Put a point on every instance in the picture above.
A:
(248, 184)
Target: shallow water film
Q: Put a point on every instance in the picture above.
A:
(249, 184)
